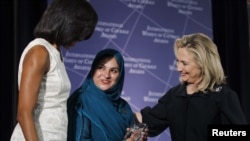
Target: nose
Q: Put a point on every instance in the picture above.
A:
(179, 66)
(106, 74)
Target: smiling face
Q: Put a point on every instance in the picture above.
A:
(189, 70)
(106, 73)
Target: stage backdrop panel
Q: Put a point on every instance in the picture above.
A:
(144, 32)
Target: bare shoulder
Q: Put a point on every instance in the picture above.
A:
(38, 50)
(37, 57)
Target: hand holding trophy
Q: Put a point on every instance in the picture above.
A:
(136, 132)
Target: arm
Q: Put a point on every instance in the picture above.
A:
(155, 117)
(35, 65)
(155, 123)
(138, 117)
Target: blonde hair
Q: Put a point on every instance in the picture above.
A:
(206, 56)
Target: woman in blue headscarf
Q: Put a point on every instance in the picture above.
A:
(96, 110)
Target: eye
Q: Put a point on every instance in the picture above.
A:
(184, 63)
(114, 70)
(178, 62)
(100, 67)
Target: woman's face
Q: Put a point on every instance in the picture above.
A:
(189, 70)
(106, 74)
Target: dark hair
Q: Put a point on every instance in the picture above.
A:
(67, 21)
(100, 59)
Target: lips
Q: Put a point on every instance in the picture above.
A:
(183, 74)
(105, 81)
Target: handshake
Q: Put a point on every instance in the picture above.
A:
(136, 131)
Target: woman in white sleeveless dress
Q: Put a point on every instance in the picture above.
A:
(43, 82)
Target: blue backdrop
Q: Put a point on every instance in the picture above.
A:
(144, 32)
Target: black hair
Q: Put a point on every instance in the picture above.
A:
(67, 21)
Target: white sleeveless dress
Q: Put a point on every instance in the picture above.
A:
(50, 114)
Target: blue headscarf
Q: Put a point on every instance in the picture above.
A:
(96, 114)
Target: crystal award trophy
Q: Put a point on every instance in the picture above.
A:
(136, 128)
